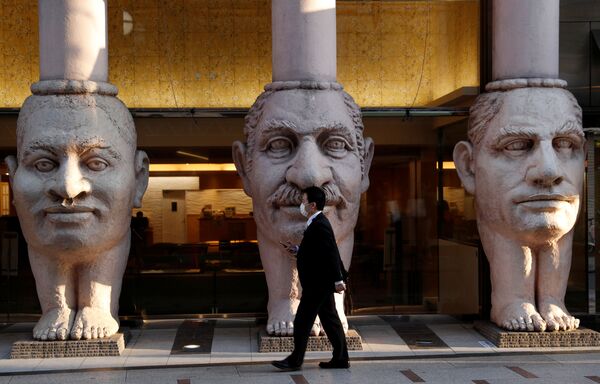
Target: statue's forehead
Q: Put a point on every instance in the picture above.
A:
(76, 117)
(307, 108)
(542, 111)
(538, 103)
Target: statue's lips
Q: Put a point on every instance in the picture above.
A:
(545, 201)
(74, 214)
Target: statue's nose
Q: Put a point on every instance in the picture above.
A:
(69, 182)
(310, 167)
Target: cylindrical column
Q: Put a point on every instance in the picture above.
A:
(304, 40)
(73, 40)
(525, 39)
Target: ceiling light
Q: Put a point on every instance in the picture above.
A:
(191, 155)
(191, 346)
(446, 165)
(204, 167)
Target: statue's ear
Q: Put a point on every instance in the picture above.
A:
(463, 160)
(142, 173)
(369, 151)
(11, 161)
(239, 158)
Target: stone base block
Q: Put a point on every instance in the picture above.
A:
(268, 343)
(33, 349)
(581, 337)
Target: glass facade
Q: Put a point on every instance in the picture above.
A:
(194, 247)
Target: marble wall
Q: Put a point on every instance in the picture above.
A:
(217, 53)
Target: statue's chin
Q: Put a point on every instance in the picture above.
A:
(292, 232)
(542, 229)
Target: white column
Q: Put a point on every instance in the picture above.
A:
(525, 39)
(73, 40)
(304, 40)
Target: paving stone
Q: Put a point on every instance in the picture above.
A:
(34, 349)
(268, 343)
(581, 337)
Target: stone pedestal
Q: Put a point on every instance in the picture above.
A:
(268, 343)
(581, 337)
(33, 349)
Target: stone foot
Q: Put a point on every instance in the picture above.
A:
(556, 315)
(317, 329)
(54, 324)
(93, 323)
(281, 317)
(519, 316)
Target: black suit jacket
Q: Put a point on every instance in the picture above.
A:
(319, 262)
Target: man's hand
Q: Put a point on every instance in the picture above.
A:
(291, 248)
(340, 287)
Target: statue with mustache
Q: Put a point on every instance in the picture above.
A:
(300, 134)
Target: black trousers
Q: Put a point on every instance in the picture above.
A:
(320, 303)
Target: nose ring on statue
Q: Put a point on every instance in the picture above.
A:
(67, 202)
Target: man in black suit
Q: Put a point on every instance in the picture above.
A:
(321, 274)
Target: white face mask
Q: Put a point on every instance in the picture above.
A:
(303, 210)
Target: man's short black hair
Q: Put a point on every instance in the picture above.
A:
(315, 195)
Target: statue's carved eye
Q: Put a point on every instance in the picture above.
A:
(519, 145)
(563, 143)
(44, 165)
(279, 147)
(336, 146)
(96, 164)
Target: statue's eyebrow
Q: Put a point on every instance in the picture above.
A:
(277, 125)
(511, 131)
(273, 128)
(83, 148)
(570, 128)
(338, 129)
(519, 131)
(80, 148)
(39, 147)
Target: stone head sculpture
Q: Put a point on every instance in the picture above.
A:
(300, 134)
(76, 177)
(524, 163)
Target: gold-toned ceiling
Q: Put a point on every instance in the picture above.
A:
(217, 53)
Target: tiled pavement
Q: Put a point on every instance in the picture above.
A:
(396, 349)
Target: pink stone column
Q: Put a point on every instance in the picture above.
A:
(304, 40)
(73, 40)
(525, 39)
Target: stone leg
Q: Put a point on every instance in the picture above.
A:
(553, 274)
(283, 286)
(99, 289)
(55, 282)
(513, 271)
(339, 306)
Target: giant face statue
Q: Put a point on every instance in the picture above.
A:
(524, 164)
(298, 138)
(75, 180)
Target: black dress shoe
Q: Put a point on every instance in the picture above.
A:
(334, 364)
(285, 365)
